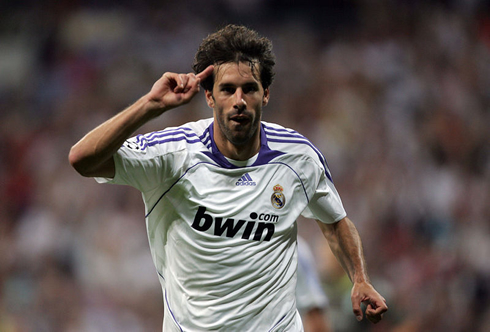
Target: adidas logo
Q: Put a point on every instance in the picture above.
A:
(245, 180)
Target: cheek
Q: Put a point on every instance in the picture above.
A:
(220, 114)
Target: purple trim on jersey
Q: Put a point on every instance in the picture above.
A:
(295, 134)
(170, 310)
(288, 133)
(303, 140)
(206, 141)
(168, 135)
(165, 132)
(265, 153)
(161, 138)
(173, 139)
(327, 173)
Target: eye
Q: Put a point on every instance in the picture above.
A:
(228, 89)
(250, 89)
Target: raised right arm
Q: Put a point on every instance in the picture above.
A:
(92, 156)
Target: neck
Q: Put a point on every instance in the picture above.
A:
(237, 152)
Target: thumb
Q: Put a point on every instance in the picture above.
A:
(356, 308)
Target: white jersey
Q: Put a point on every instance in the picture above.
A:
(222, 236)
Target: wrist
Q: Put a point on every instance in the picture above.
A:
(361, 279)
(152, 107)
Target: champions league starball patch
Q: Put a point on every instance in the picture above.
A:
(278, 199)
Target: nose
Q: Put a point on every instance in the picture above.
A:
(240, 102)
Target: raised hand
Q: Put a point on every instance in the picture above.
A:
(173, 89)
(92, 155)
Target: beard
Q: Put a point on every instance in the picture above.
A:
(238, 127)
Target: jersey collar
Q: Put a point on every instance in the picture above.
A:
(265, 153)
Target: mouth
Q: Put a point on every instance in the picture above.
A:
(240, 119)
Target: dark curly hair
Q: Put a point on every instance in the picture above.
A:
(235, 43)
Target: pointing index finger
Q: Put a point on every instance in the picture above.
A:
(205, 73)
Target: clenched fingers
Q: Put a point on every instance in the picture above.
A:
(374, 312)
(185, 83)
(363, 292)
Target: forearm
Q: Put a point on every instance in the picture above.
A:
(345, 242)
(89, 155)
(346, 245)
(92, 155)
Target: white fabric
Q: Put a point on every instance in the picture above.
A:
(223, 237)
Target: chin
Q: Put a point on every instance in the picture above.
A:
(239, 141)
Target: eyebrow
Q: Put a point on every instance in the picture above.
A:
(247, 84)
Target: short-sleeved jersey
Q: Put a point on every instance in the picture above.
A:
(222, 236)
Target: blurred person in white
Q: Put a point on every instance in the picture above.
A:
(222, 195)
(311, 300)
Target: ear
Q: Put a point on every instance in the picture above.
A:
(265, 98)
(209, 98)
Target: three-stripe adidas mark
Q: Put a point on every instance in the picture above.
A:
(245, 180)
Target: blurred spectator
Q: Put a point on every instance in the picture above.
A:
(311, 300)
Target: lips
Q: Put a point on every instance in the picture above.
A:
(240, 119)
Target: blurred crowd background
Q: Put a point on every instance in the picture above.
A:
(396, 94)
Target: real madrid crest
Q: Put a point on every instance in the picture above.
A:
(278, 199)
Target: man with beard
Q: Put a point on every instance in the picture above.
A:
(222, 195)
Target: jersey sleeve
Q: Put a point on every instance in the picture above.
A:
(325, 204)
(141, 168)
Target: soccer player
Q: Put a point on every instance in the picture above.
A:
(222, 195)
